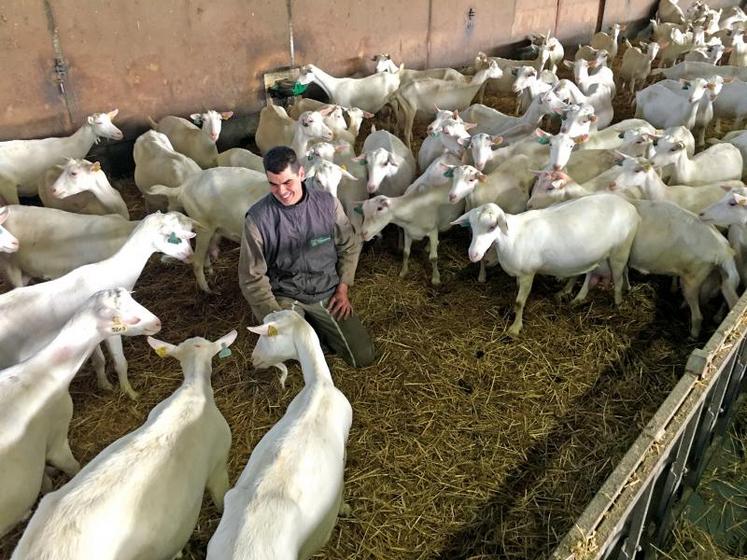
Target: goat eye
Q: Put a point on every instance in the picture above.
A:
(305, 124)
(732, 203)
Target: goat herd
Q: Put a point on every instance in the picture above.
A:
(649, 193)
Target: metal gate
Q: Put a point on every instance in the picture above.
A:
(634, 510)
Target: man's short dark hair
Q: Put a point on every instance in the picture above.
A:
(280, 157)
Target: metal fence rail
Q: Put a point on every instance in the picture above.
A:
(634, 510)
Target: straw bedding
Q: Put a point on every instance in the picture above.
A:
(465, 444)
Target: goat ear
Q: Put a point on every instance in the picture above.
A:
(469, 125)
(367, 115)
(462, 220)
(347, 174)
(225, 115)
(739, 199)
(113, 113)
(497, 140)
(4, 213)
(327, 110)
(581, 139)
(196, 117)
(227, 339)
(266, 329)
(162, 348)
(568, 64)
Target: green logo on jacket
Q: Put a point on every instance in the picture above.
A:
(316, 241)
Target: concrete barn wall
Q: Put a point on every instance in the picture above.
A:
(65, 59)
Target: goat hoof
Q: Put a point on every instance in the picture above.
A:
(130, 392)
(106, 386)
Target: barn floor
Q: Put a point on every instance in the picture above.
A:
(465, 444)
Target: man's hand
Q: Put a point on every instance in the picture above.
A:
(339, 304)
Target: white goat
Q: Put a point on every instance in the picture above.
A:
(144, 490)
(585, 81)
(157, 163)
(240, 157)
(731, 212)
(22, 162)
(543, 241)
(37, 407)
(327, 175)
(287, 499)
(704, 116)
(731, 103)
(614, 136)
(738, 139)
(276, 128)
(636, 65)
(663, 108)
(492, 121)
(422, 95)
(503, 83)
(8, 241)
(370, 93)
(669, 11)
(721, 162)
(389, 163)
(46, 307)
(738, 55)
(196, 143)
(607, 41)
(528, 84)
(449, 136)
(384, 63)
(217, 199)
(638, 172)
(420, 213)
(82, 187)
(692, 70)
(600, 97)
(672, 241)
(54, 242)
(710, 53)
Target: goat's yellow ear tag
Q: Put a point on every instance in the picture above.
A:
(344, 167)
(162, 351)
(272, 331)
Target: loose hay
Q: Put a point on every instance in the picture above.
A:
(465, 444)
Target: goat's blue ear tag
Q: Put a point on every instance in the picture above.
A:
(173, 239)
(449, 172)
(544, 140)
(224, 353)
(358, 210)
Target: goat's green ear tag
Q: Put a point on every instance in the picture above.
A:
(358, 209)
(298, 89)
(173, 239)
(272, 331)
(544, 140)
(224, 353)
(449, 172)
(363, 161)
